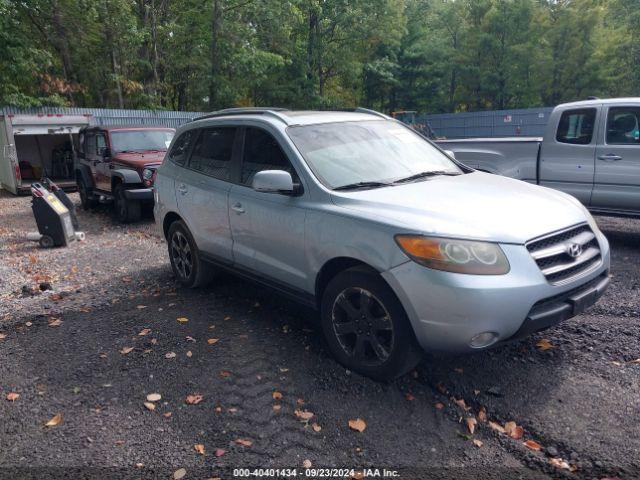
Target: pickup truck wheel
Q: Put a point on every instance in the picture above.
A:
(127, 210)
(86, 197)
(186, 262)
(366, 326)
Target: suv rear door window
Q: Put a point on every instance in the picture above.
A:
(213, 151)
(623, 126)
(262, 152)
(181, 147)
(576, 126)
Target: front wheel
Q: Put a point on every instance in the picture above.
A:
(366, 326)
(186, 262)
(127, 210)
(86, 197)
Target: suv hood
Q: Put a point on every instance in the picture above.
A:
(139, 159)
(473, 206)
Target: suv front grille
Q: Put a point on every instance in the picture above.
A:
(566, 255)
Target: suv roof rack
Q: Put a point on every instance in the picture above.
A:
(247, 111)
(372, 112)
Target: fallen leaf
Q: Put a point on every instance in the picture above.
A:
(459, 370)
(154, 397)
(316, 427)
(471, 424)
(306, 463)
(126, 350)
(193, 399)
(198, 447)
(544, 344)
(139, 465)
(439, 406)
(150, 406)
(3, 336)
(33, 259)
(55, 323)
(299, 402)
(303, 415)
(634, 362)
(410, 397)
(482, 414)
(189, 354)
(225, 374)
(496, 426)
(461, 403)
(190, 339)
(140, 307)
(55, 420)
(513, 430)
(358, 425)
(476, 392)
(232, 410)
(179, 474)
(277, 408)
(12, 396)
(219, 452)
(154, 341)
(213, 341)
(276, 395)
(170, 355)
(182, 319)
(559, 463)
(145, 331)
(245, 442)
(532, 444)
(477, 443)
(227, 318)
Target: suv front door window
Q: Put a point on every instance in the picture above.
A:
(267, 228)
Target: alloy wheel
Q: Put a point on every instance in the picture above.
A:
(181, 255)
(362, 326)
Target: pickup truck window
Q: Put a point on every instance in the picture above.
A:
(576, 126)
(623, 126)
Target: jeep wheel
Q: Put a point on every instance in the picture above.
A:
(186, 262)
(127, 210)
(86, 197)
(366, 326)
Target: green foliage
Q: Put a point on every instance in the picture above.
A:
(426, 55)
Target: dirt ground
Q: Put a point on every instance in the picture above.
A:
(88, 331)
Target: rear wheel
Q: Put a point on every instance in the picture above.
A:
(186, 262)
(86, 197)
(366, 326)
(127, 210)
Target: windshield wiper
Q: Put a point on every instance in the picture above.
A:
(354, 186)
(431, 173)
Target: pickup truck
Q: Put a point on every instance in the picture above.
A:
(591, 150)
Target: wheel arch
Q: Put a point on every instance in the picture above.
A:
(333, 267)
(168, 219)
(125, 176)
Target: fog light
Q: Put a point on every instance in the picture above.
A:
(483, 339)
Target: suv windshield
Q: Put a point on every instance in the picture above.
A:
(141, 140)
(369, 154)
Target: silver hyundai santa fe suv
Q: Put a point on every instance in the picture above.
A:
(399, 246)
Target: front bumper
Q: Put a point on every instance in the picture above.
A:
(447, 310)
(139, 194)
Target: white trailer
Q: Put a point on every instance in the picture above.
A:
(36, 146)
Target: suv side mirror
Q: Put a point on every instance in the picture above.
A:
(105, 153)
(273, 181)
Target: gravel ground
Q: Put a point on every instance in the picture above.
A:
(89, 331)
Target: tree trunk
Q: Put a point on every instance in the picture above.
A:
(216, 25)
(62, 46)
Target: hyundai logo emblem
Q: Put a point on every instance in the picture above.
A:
(574, 250)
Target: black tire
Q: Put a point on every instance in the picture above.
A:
(127, 211)
(186, 261)
(86, 196)
(366, 326)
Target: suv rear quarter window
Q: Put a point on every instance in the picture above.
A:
(213, 151)
(181, 147)
(576, 126)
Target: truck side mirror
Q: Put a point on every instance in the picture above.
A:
(105, 153)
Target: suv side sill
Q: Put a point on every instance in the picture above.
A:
(295, 294)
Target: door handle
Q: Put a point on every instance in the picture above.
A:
(610, 157)
(238, 208)
(182, 188)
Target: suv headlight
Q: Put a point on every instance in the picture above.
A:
(452, 255)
